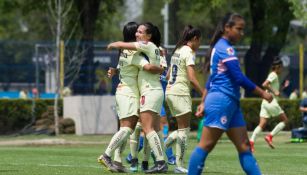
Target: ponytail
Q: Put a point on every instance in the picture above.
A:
(189, 32)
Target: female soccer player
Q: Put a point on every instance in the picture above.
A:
(222, 103)
(181, 75)
(148, 40)
(272, 109)
(127, 99)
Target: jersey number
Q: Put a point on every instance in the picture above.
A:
(174, 74)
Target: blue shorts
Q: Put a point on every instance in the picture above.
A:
(162, 113)
(221, 111)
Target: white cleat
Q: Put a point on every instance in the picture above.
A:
(180, 170)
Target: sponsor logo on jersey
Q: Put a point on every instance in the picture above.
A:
(230, 51)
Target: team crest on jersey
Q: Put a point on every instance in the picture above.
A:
(142, 100)
(230, 51)
(224, 120)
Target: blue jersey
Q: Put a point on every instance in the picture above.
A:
(226, 75)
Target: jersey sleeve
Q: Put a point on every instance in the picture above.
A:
(272, 76)
(139, 61)
(190, 59)
(142, 46)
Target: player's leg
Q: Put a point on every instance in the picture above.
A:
(208, 140)
(240, 139)
(258, 129)
(237, 133)
(121, 136)
(279, 127)
(183, 122)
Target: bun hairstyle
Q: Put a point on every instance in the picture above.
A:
(189, 32)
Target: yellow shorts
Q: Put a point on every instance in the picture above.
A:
(269, 110)
(179, 104)
(126, 106)
(152, 100)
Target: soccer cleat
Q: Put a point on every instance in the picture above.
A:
(180, 170)
(159, 167)
(106, 162)
(144, 166)
(120, 167)
(134, 165)
(171, 160)
(252, 148)
(269, 139)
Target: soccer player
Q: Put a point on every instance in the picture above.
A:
(181, 75)
(127, 99)
(272, 109)
(148, 40)
(222, 101)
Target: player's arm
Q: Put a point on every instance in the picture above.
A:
(267, 85)
(112, 71)
(153, 69)
(201, 107)
(122, 45)
(193, 80)
(237, 75)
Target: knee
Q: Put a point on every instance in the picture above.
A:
(208, 145)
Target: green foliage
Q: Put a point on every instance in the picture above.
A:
(300, 10)
(16, 114)
(251, 109)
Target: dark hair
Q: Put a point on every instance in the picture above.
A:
(230, 20)
(189, 32)
(276, 61)
(129, 31)
(154, 31)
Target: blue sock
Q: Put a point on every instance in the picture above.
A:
(249, 163)
(197, 161)
(141, 143)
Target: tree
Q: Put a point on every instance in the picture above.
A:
(270, 21)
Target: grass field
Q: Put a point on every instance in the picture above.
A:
(76, 155)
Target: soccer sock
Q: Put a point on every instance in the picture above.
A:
(146, 150)
(118, 152)
(280, 126)
(161, 140)
(181, 144)
(134, 140)
(171, 139)
(141, 143)
(155, 145)
(257, 130)
(249, 163)
(197, 161)
(120, 137)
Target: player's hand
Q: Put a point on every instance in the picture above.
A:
(200, 110)
(277, 93)
(111, 72)
(267, 96)
(110, 46)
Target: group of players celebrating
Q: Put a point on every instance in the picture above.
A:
(140, 97)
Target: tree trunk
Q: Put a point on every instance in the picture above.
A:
(270, 28)
(89, 13)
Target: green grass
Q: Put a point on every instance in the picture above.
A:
(77, 156)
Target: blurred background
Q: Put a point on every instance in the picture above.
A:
(51, 47)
